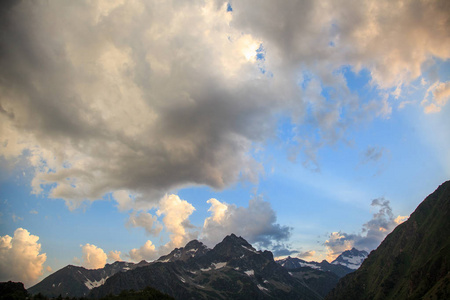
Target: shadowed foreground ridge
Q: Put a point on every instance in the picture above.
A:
(413, 262)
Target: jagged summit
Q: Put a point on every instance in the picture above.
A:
(351, 258)
(192, 249)
(234, 246)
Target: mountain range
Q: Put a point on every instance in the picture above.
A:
(76, 281)
(413, 261)
(345, 263)
(232, 269)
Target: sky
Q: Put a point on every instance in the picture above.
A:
(129, 128)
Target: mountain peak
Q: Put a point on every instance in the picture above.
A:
(351, 258)
(234, 239)
(192, 249)
(194, 244)
(233, 245)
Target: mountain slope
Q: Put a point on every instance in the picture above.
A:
(322, 282)
(76, 281)
(233, 269)
(413, 262)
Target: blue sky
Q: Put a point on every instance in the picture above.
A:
(130, 129)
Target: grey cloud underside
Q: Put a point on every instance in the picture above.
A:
(257, 222)
(371, 235)
(200, 130)
(150, 97)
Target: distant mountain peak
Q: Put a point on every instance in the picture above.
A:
(292, 263)
(351, 258)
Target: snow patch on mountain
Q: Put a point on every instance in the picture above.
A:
(351, 258)
(93, 284)
(219, 265)
(249, 249)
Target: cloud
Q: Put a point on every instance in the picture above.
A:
(336, 244)
(111, 96)
(34, 212)
(20, 257)
(146, 221)
(401, 219)
(93, 257)
(165, 82)
(123, 199)
(372, 233)
(306, 254)
(256, 223)
(439, 93)
(16, 218)
(176, 220)
(372, 154)
(146, 252)
(281, 249)
(114, 256)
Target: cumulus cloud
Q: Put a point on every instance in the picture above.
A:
(150, 96)
(257, 223)
(146, 252)
(114, 256)
(372, 234)
(93, 257)
(176, 220)
(146, 221)
(20, 257)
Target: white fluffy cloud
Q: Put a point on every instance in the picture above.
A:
(20, 257)
(257, 223)
(93, 257)
(176, 219)
(148, 96)
(372, 234)
(146, 252)
(114, 256)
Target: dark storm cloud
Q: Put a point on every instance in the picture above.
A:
(148, 97)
